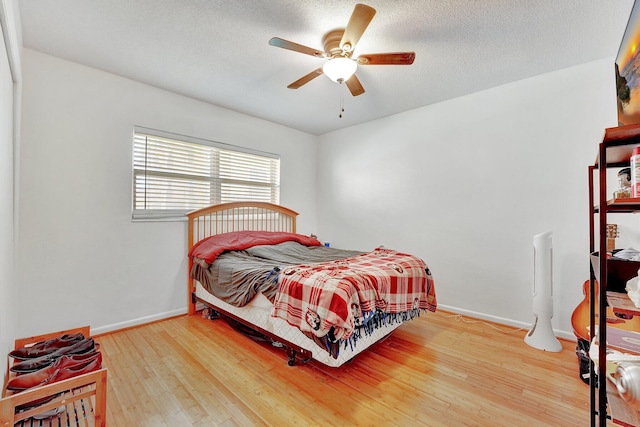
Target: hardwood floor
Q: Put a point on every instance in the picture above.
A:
(434, 371)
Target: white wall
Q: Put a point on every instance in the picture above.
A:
(465, 184)
(81, 260)
(6, 198)
(9, 98)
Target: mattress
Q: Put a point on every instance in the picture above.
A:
(258, 312)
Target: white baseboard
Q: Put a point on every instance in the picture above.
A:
(504, 321)
(137, 322)
(477, 315)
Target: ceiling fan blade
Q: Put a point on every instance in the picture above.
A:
(359, 21)
(354, 85)
(305, 79)
(286, 44)
(395, 58)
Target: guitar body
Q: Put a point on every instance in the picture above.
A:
(580, 320)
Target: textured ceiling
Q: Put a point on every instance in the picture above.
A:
(217, 50)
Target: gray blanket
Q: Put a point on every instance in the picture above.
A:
(237, 276)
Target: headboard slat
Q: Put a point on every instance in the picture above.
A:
(234, 216)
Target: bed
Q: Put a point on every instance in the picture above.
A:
(318, 303)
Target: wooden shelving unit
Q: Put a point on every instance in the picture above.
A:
(84, 397)
(615, 150)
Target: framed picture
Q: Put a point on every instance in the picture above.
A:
(628, 71)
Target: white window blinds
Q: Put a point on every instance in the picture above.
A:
(174, 174)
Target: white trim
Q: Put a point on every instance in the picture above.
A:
(201, 141)
(137, 322)
(8, 17)
(139, 215)
(173, 174)
(570, 336)
(173, 313)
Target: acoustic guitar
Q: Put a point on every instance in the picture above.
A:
(580, 320)
(612, 234)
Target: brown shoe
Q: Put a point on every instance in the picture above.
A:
(87, 345)
(73, 363)
(46, 347)
(59, 375)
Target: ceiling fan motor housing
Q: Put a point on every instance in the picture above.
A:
(332, 46)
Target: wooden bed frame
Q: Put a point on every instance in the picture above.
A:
(256, 316)
(236, 216)
(239, 216)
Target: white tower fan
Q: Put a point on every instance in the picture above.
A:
(541, 335)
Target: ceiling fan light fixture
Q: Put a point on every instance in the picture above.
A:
(339, 69)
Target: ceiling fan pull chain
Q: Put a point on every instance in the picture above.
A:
(341, 105)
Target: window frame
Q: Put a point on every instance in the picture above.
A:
(179, 214)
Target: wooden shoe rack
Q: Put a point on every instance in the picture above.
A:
(84, 397)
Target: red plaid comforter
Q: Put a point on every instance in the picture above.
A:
(334, 297)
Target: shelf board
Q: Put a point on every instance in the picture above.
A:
(624, 201)
(630, 204)
(620, 142)
(622, 134)
(621, 303)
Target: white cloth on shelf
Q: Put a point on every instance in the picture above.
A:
(632, 290)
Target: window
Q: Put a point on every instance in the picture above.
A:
(174, 174)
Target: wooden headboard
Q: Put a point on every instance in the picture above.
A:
(235, 216)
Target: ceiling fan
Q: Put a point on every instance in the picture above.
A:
(339, 46)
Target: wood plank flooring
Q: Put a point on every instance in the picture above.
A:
(434, 371)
